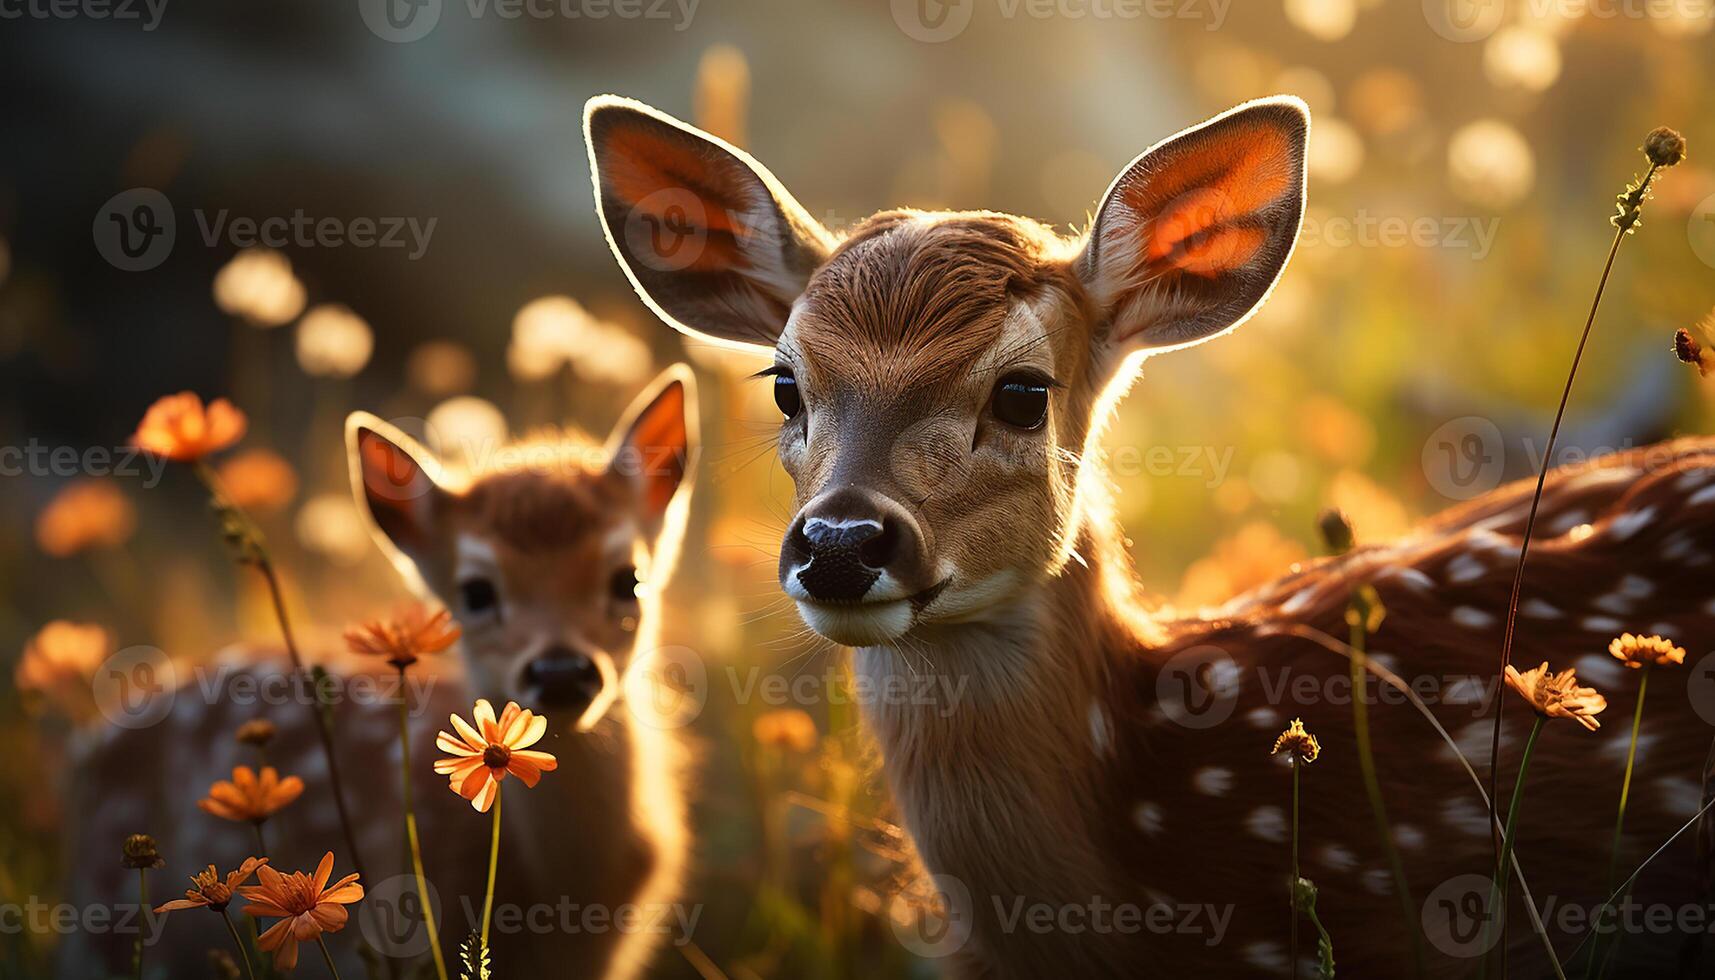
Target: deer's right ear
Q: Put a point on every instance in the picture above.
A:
(1192, 236)
(711, 241)
(396, 481)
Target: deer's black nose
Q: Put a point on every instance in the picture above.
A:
(564, 677)
(839, 547)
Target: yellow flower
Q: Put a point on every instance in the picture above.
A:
(413, 631)
(249, 797)
(85, 515)
(1558, 695)
(179, 428)
(1297, 743)
(1636, 651)
(484, 753)
(785, 728)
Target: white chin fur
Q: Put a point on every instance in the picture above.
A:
(861, 625)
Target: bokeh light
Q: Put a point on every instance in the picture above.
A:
(1520, 57)
(259, 287)
(1325, 20)
(1489, 163)
(333, 341)
(329, 525)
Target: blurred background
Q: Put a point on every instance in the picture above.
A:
(1463, 163)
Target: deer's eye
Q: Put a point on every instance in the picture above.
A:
(786, 394)
(623, 585)
(1021, 400)
(478, 595)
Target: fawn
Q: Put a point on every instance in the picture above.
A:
(945, 379)
(552, 556)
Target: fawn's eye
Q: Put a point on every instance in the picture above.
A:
(623, 585)
(786, 394)
(1021, 400)
(478, 595)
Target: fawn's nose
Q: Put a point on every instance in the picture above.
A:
(563, 677)
(842, 544)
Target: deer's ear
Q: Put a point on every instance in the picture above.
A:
(396, 481)
(711, 241)
(652, 445)
(1193, 234)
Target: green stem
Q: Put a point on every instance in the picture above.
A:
(1508, 837)
(143, 902)
(1372, 785)
(1619, 825)
(243, 954)
(261, 842)
(1292, 884)
(323, 943)
(411, 826)
(493, 861)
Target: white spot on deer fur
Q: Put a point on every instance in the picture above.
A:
(1667, 630)
(1466, 816)
(1681, 798)
(1408, 837)
(1601, 624)
(1600, 668)
(1265, 719)
(1299, 600)
(1336, 857)
(1378, 881)
(1213, 780)
(1623, 527)
(1539, 609)
(1694, 478)
(1269, 956)
(1635, 586)
(1580, 533)
(1483, 539)
(1563, 523)
(1702, 496)
(1268, 823)
(1709, 607)
(1101, 729)
(1386, 661)
(1147, 816)
(1465, 568)
(1615, 749)
(1599, 478)
(1471, 617)
(1613, 602)
(1698, 560)
(1474, 741)
(1412, 578)
(1677, 546)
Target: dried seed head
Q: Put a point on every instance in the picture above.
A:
(1664, 146)
(140, 852)
(1300, 745)
(1686, 347)
(257, 732)
(1336, 530)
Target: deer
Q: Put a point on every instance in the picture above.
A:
(552, 555)
(945, 380)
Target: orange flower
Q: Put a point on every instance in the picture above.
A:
(59, 662)
(87, 514)
(306, 906)
(251, 798)
(179, 428)
(258, 481)
(208, 891)
(484, 753)
(1558, 695)
(412, 631)
(1636, 651)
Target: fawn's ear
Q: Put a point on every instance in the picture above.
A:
(397, 483)
(1192, 235)
(651, 449)
(711, 241)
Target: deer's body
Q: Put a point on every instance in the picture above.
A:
(551, 540)
(944, 380)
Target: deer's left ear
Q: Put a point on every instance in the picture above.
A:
(652, 445)
(1192, 235)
